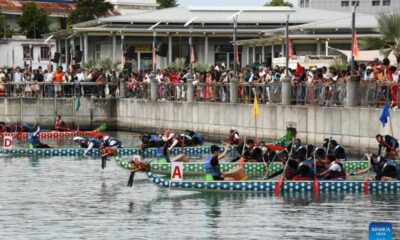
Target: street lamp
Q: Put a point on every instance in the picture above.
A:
(287, 43)
(154, 45)
(353, 30)
(190, 43)
(235, 50)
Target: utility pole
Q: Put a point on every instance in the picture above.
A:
(353, 29)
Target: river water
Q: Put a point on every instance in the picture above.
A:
(72, 198)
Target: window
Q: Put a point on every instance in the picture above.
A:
(98, 47)
(345, 4)
(376, 3)
(44, 52)
(356, 3)
(386, 3)
(26, 50)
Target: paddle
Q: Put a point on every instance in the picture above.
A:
(269, 165)
(130, 180)
(241, 161)
(103, 162)
(315, 176)
(280, 181)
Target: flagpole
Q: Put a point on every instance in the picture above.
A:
(353, 29)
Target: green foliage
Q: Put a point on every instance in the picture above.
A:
(87, 10)
(338, 64)
(88, 65)
(201, 67)
(4, 27)
(278, 3)
(106, 64)
(33, 21)
(179, 63)
(388, 26)
(166, 4)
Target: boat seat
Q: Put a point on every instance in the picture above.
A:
(208, 177)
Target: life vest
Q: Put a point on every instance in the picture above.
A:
(301, 150)
(307, 163)
(96, 144)
(232, 138)
(198, 138)
(390, 168)
(339, 152)
(214, 171)
(82, 144)
(153, 138)
(171, 140)
(335, 175)
(60, 125)
(33, 139)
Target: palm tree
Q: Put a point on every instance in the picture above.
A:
(389, 27)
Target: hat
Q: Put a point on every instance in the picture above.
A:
(369, 68)
(77, 139)
(106, 138)
(167, 132)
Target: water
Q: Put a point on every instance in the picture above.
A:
(69, 198)
(72, 198)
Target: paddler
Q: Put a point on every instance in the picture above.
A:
(211, 164)
(88, 143)
(191, 138)
(60, 125)
(172, 140)
(335, 169)
(34, 139)
(17, 127)
(338, 151)
(388, 146)
(385, 169)
(234, 137)
(151, 141)
(112, 142)
(304, 172)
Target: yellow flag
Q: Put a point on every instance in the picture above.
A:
(255, 108)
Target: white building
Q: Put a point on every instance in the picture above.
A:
(127, 7)
(212, 35)
(363, 6)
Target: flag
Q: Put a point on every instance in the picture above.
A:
(237, 54)
(13, 59)
(154, 57)
(355, 45)
(192, 58)
(299, 69)
(122, 60)
(290, 50)
(385, 114)
(71, 65)
(78, 104)
(255, 108)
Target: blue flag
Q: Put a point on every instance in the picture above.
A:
(385, 114)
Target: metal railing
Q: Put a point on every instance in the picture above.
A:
(319, 94)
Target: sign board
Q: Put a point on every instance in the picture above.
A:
(177, 171)
(7, 142)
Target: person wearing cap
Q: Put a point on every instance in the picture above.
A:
(211, 165)
(234, 137)
(385, 169)
(88, 143)
(81, 141)
(151, 141)
(112, 142)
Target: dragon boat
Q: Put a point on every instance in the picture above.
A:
(76, 152)
(46, 135)
(197, 168)
(264, 185)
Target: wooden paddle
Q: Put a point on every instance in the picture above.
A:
(315, 176)
(280, 181)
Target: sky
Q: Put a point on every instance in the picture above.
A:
(208, 3)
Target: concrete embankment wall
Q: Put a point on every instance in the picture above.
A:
(354, 128)
(91, 114)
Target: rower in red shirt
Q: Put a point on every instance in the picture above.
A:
(60, 125)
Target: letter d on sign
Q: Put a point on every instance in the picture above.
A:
(7, 142)
(176, 171)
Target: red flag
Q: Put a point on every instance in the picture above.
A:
(290, 50)
(237, 55)
(299, 69)
(355, 45)
(192, 58)
(122, 60)
(154, 57)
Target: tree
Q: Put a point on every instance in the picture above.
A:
(86, 10)
(33, 21)
(166, 4)
(278, 3)
(389, 42)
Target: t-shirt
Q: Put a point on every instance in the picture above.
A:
(335, 167)
(58, 77)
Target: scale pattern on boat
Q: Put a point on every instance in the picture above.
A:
(269, 186)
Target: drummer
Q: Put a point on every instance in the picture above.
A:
(211, 164)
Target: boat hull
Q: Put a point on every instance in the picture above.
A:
(46, 135)
(76, 152)
(269, 186)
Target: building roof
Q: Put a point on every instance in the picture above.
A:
(268, 15)
(52, 7)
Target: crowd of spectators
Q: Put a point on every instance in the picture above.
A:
(324, 86)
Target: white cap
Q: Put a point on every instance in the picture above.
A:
(106, 138)
(76, 139)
